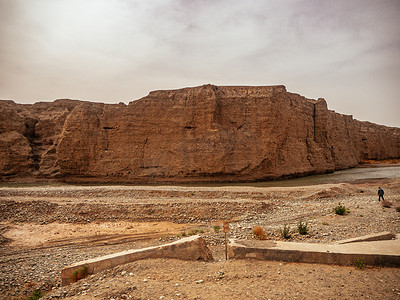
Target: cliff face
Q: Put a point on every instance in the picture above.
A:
(206, 133)
(29, 136)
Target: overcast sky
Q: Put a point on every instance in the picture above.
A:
(346, 51)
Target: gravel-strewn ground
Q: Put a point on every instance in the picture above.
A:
(74, 223)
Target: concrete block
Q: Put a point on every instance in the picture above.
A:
(190, 248)
(383, 253)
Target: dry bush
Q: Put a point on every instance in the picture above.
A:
(259, 232)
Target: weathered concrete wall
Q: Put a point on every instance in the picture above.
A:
(206, 133)
(373, 253)
(191, 248)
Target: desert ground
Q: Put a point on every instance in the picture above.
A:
(47, 227)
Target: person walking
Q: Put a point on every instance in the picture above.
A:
(380, 194)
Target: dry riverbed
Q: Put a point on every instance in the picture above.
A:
(45, 228)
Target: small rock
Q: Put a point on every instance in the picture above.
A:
(199, 281)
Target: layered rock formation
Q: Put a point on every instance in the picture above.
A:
(206, 133)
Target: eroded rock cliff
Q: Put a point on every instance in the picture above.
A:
(206, 133)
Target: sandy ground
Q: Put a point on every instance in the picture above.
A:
(35, 235)
(44, 228)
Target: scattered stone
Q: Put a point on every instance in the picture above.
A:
(199, 281)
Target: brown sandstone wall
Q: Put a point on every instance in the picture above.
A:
(206, 133)
(29, 136)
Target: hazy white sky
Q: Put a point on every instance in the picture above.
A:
(346, 51)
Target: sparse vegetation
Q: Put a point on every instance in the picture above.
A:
(325, 223)
(341, 210)
(259, 232)
(359, 263)
(285, 232)
(80, 273)
(37, 294)
(398, 208)
(191, 232)
(217, 228)
(302, 227)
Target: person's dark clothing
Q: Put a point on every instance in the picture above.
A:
(380, 194)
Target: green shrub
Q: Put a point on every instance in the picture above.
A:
(36, 295)
(217, 228)
(359, 263)
(398, 208)
(341, 210)
(191, 232)
(302, 227)
(80, 273)
(285, 232)
(194, 231)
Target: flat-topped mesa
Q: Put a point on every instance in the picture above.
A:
(227, 91)
(205, 133)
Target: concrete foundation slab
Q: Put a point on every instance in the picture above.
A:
(383, 253)
(191, 248)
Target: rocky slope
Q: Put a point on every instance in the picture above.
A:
(206, 133)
